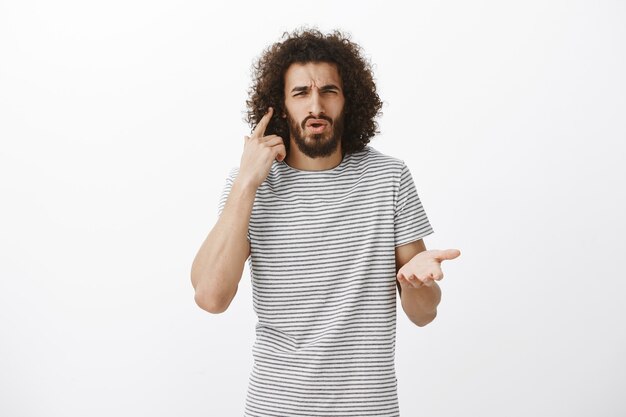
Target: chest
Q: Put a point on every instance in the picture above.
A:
(320, 218)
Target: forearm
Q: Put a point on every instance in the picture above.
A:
(420, 304)
(219, 263)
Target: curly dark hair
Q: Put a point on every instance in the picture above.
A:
(362, 103)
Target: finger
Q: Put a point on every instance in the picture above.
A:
(428, 282)
(408, 278)
(405, 282)
(415, 281)
(281, 152)
(259, 130)
(437, 275)
(272, 140)
(447, 254)
(277, 145)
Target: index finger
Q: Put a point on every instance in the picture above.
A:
(259, 130)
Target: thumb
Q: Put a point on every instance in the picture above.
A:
(447, 254)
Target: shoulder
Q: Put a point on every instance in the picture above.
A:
(372, 157)
(232, 173)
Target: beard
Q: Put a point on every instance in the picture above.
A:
(317, 145)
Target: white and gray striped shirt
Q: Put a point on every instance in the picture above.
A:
(323, 273)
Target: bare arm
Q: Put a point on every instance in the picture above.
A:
(218, 265)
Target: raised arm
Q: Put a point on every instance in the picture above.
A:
(218, 265)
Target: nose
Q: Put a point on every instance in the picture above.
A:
(316, 105)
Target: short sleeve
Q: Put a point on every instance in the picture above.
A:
(410, 220)
(226, 192)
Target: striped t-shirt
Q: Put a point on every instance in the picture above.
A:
(322, 264)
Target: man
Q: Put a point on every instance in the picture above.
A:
(331, 226)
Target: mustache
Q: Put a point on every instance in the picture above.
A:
(322, 117)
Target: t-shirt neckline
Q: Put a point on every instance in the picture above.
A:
(320, 171)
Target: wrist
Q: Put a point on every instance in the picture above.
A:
(244, 185)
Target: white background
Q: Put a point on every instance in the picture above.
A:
(119, 121)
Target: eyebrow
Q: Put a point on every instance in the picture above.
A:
(325, 88)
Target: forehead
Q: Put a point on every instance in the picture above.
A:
(311, 73)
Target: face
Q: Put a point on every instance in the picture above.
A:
(314, 103)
